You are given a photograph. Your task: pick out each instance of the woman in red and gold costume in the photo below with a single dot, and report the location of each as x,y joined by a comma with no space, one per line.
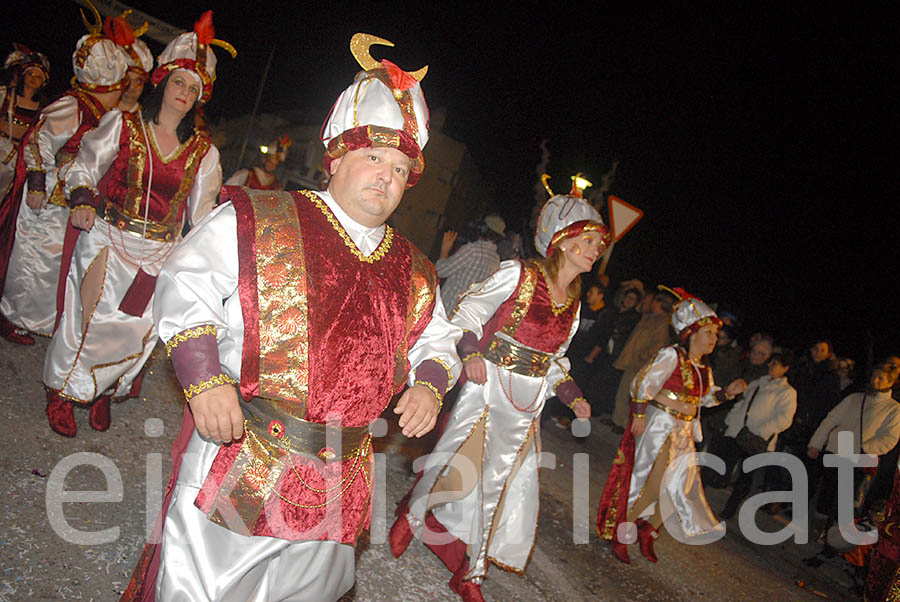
517,326
20,104
652,476
136,180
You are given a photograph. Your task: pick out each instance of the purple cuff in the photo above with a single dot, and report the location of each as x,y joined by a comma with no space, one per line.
638,408
84,196
37,181
435,374
196,360
568,391
468,344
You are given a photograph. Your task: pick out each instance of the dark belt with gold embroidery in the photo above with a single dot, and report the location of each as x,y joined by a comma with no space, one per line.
518,359
150,230
301,436
675,413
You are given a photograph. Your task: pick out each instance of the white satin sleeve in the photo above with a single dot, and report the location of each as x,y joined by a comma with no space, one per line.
207,184
559,368
238,178
709,400
97,152
437,342
58,122
198,283
650,380
481,300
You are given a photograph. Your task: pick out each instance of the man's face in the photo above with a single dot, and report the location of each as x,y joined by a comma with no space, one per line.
777,369
760,353
820,351
134,85
724,339
368,183
629,301
593,296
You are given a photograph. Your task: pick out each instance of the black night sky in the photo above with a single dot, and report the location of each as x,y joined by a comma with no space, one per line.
756,141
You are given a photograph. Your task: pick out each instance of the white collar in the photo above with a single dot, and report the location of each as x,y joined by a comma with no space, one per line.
366,239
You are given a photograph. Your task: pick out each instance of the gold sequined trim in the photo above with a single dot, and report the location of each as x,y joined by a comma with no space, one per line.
556,310
433,389
576,400
377,254
474,354
77,207
561,381
206,385
190,333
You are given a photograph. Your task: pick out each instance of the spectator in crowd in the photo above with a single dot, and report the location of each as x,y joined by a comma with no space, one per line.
756,362
766,408
472,263
845,370
608,337
873,417
649,336
726,357
818,391
511,246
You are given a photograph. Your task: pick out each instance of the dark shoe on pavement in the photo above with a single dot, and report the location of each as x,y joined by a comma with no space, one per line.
61,414
620,551
100,417
646,535
400,536
12,334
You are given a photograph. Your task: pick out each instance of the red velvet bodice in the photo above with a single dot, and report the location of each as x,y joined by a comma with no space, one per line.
684,378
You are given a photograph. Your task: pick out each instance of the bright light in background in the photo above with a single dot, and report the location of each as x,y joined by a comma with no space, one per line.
264,149
581,183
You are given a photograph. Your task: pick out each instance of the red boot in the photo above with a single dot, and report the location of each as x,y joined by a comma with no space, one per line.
400,536
99,417
9,332
469,591
620,551
646,535
61,414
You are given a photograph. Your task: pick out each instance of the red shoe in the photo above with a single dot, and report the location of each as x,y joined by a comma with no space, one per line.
646,535
467,590
400,536
61,414
9,332
100,417
620,551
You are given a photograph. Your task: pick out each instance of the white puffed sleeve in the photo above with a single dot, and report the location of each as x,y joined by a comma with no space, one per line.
437,342
559,368
650,380
57,123
197,285
238,178
709,400
207,185
98,150
483,299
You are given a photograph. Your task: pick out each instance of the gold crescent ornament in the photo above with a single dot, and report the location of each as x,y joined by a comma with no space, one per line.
359,48
223,44
94,28
140,30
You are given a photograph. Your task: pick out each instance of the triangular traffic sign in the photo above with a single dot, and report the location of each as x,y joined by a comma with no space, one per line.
622,216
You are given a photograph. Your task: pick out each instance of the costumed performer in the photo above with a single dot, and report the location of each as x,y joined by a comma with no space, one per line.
883,580
317,313
20,104
652,476
137,179
31,238
262,177
138,57
477,499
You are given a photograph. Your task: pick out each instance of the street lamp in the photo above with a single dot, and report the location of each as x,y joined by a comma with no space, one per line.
265,150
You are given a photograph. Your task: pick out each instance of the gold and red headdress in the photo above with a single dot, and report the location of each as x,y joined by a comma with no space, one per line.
99,63
564,216
192,51
384,106
691,313
137,54
22,58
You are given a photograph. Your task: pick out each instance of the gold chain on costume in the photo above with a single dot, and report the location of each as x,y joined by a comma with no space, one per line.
509,394
377,254
211,383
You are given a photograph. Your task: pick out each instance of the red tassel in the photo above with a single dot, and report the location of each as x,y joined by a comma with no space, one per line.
204,28
119,31
400,78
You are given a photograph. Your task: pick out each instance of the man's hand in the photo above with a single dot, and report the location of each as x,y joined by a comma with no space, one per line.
476,370
447,243
813,453
218,415
35,200
418,409
637,426
736,387
83,218
582,409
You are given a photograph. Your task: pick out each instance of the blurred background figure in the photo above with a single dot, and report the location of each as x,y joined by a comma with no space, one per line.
472,263
847,373
263,177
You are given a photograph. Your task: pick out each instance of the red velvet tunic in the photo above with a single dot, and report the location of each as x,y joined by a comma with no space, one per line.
683,379
125,182
357,314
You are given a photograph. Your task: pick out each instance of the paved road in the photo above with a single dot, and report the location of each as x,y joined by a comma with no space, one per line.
51,553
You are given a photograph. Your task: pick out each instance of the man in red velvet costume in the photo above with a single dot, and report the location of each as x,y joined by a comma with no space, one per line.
292,319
